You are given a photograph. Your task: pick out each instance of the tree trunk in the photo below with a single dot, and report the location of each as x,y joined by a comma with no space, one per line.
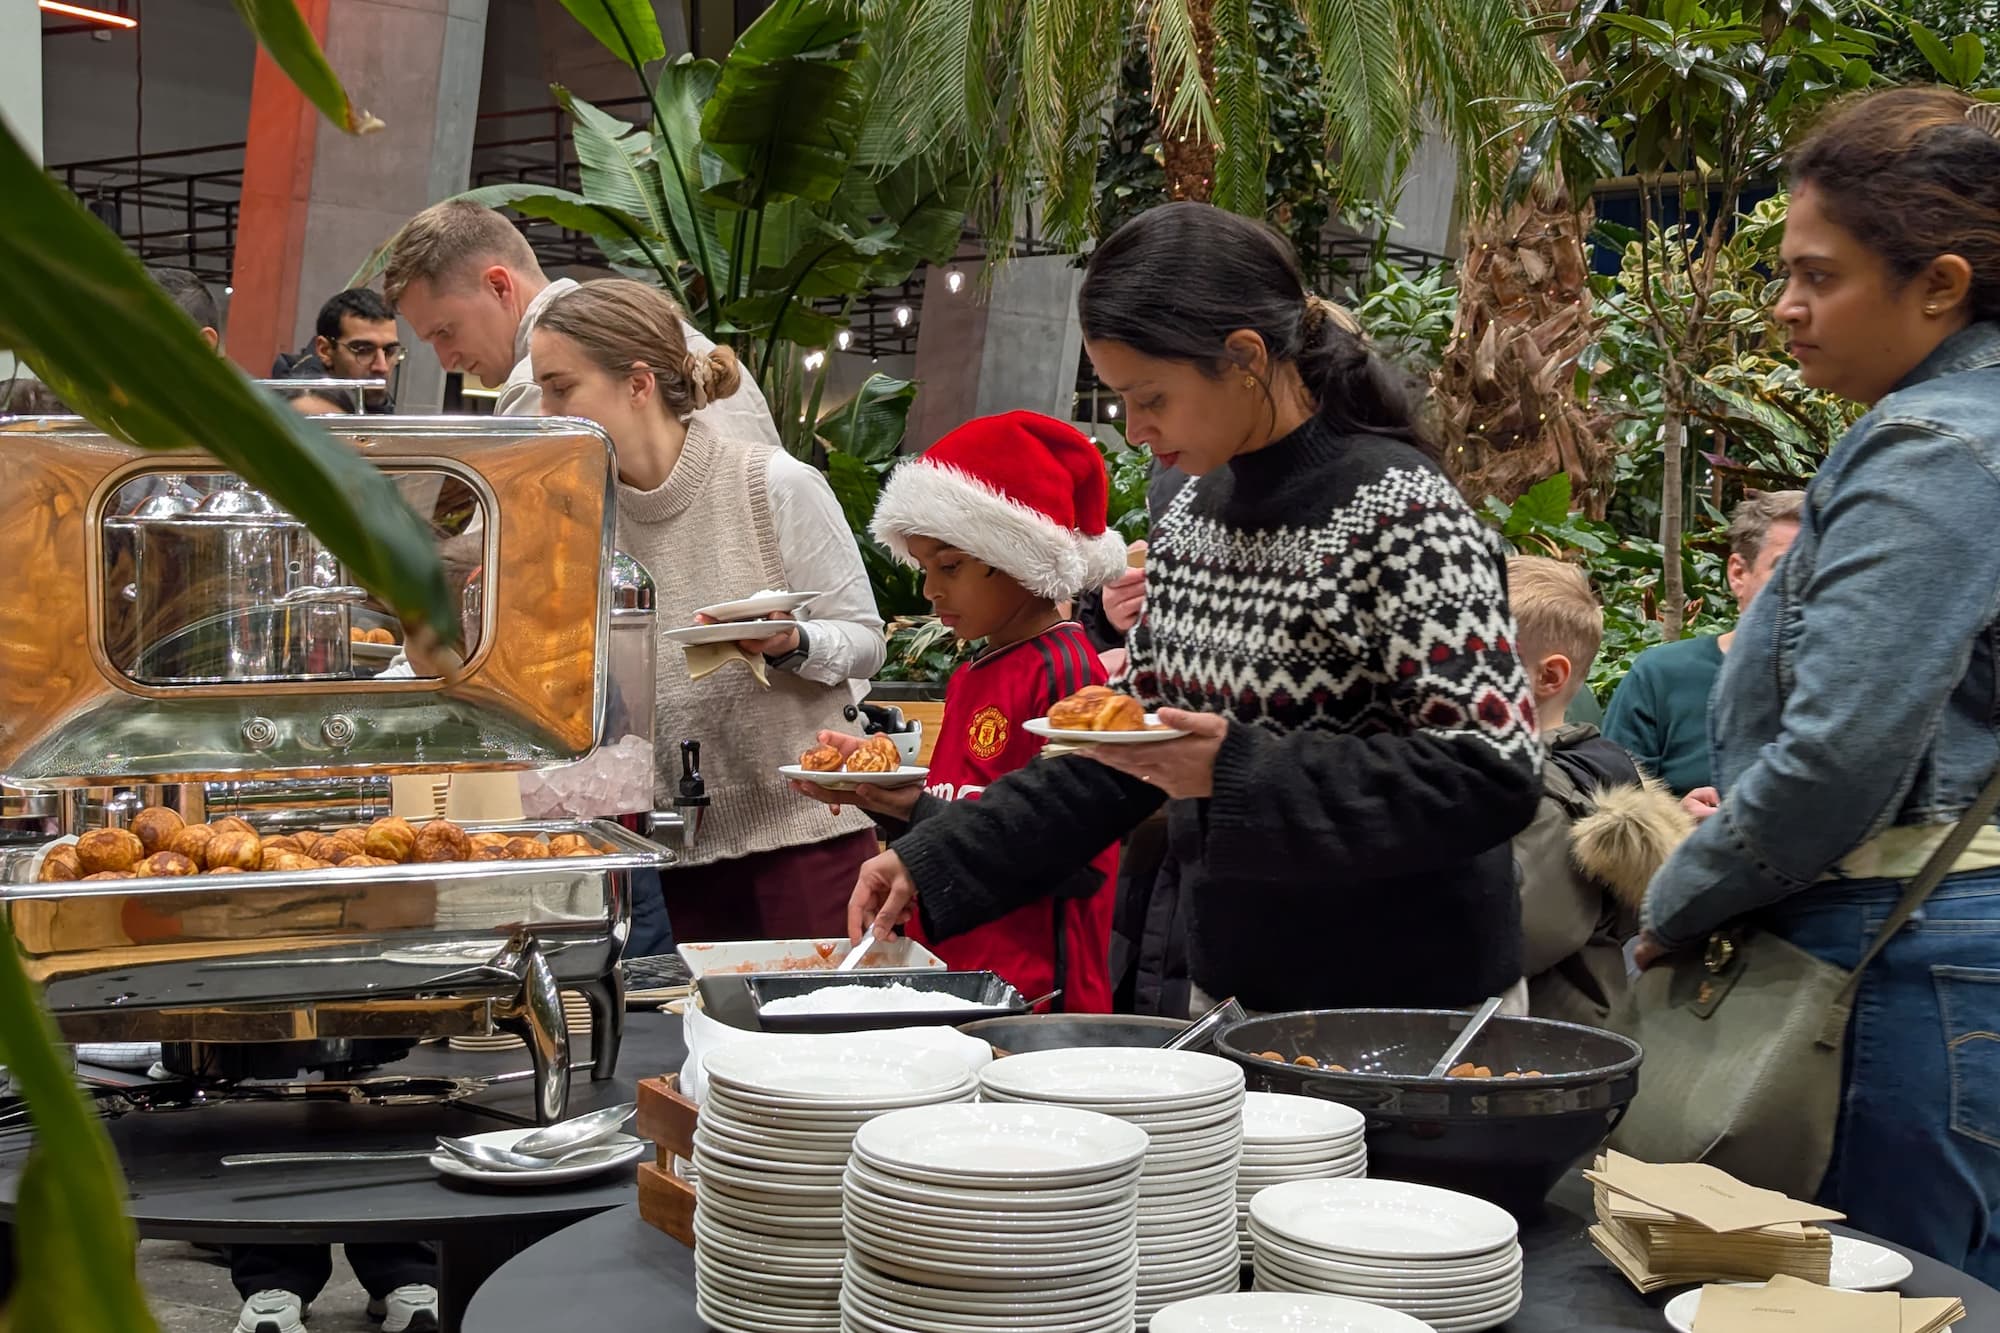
1187,155
1507,388
1673,593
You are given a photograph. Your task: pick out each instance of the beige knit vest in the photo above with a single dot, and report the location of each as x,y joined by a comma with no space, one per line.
706,536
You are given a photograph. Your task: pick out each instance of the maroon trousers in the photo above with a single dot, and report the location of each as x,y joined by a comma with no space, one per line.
792,893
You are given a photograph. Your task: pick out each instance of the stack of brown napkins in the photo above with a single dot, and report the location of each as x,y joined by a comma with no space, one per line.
1668,1225
1788,1305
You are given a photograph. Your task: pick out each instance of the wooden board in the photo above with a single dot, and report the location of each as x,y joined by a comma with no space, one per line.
667,1119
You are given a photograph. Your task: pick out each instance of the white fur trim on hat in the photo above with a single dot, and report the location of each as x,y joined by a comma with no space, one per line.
926,500
1103,558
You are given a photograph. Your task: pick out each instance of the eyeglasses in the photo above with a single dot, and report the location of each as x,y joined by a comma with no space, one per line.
365,351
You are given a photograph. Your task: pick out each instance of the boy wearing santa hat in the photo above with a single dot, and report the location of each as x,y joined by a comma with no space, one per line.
1006,518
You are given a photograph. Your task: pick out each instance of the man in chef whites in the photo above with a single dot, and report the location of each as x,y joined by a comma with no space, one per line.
468,283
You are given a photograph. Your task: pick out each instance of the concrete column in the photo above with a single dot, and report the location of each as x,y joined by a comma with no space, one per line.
1013,347
21,91
416,65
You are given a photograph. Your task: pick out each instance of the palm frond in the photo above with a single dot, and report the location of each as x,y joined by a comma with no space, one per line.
1239,95
934,57
1365,81
1179,88
1469,60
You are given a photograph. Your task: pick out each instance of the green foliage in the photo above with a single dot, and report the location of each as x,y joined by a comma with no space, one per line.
1027,88
1940,41
281,30
1409,316
863,440
922,649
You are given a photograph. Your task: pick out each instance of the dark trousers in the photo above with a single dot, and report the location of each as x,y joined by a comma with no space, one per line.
652,932
792,893
304,1270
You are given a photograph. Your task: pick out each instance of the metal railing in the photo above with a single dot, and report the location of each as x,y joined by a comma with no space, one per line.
178,206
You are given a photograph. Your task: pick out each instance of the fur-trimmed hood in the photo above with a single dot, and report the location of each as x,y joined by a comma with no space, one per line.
1629,836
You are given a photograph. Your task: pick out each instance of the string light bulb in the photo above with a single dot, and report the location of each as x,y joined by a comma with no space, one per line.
1112,411
843,339
902,317
814,360
954,280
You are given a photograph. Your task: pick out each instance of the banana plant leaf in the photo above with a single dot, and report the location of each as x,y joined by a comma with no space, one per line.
281,30
789,105
871,425
626,28
70,284
75,1249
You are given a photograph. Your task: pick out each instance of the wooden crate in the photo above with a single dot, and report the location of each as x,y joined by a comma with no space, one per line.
667,1118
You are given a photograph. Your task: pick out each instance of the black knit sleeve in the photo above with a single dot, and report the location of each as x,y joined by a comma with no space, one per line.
1450,767
1025,836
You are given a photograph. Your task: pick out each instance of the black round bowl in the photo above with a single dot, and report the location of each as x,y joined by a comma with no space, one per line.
1049,1032
1505,1139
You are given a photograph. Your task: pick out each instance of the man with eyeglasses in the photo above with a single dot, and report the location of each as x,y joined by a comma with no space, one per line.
356,340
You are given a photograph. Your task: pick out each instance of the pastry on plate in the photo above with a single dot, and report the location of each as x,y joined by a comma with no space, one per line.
1098,708
392,839
572,844
61,864
820,759
878,754
156,826
441,840
166,863
231,850
192,842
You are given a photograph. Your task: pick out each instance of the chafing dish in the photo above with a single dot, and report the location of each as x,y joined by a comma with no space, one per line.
147,660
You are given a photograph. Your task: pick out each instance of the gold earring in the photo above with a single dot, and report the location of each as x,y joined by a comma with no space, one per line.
1249,381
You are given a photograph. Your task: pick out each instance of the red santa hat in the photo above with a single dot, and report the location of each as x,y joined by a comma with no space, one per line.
1023,492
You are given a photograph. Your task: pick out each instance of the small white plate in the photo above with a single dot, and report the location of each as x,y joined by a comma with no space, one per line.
1860,1265
1382,1218
1275,1118
1095,1076
1258,1312
758,606
620,1151
905,776
1052,1143
1156,730
849,1073
748,631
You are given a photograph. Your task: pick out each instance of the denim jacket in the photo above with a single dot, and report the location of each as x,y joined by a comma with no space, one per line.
1860,691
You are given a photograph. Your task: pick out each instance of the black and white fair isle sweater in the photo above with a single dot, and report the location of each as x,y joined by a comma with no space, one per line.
1334,598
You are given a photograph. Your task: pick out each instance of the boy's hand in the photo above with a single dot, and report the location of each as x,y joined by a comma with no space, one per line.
892,802
776,646
1125,597
1701,803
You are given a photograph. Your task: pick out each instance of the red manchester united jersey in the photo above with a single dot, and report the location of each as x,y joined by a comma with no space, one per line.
1053,942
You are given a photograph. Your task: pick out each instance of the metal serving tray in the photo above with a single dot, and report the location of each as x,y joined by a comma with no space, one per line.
202,943
995,997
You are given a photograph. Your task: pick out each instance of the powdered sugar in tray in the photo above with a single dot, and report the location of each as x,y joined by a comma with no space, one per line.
893,998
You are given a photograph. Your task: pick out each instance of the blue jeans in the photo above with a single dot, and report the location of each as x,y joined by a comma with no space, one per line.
1916,1158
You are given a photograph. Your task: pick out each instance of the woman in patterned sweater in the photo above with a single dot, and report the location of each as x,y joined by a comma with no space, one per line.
1326,619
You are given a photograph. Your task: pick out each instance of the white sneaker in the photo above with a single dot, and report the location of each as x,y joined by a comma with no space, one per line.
411,1309
272,1312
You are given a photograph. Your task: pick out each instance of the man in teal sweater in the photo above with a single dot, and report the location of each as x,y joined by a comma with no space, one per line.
1659,712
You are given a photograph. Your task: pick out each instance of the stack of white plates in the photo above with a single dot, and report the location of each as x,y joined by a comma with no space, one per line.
992,1217
1281,1312
1294,1138
772,1143
1448,1259
1191,1107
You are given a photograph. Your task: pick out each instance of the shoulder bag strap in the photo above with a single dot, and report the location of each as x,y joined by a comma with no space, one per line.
1935,869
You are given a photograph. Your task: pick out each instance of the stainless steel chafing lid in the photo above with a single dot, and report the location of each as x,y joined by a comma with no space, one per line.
534,557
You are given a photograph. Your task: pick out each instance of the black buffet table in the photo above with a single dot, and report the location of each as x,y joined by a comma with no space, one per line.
181,1191
622,1276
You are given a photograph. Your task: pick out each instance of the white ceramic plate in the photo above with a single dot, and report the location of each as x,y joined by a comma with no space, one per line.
1093,1075
743,631
1382,1218
1860,1265
997,1199
1015,1141
1263,1312
1276,1117
852,1073
759,605
955,1307
906,776
1155,731
1413,1272
620,1151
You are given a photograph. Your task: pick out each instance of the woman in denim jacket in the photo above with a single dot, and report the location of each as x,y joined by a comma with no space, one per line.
1857,716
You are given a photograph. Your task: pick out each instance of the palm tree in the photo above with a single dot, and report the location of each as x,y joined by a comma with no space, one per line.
1023,87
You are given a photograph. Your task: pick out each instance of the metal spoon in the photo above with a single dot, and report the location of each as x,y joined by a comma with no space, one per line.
576,1132
496,1159
857,953
491,1158
1465,1038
